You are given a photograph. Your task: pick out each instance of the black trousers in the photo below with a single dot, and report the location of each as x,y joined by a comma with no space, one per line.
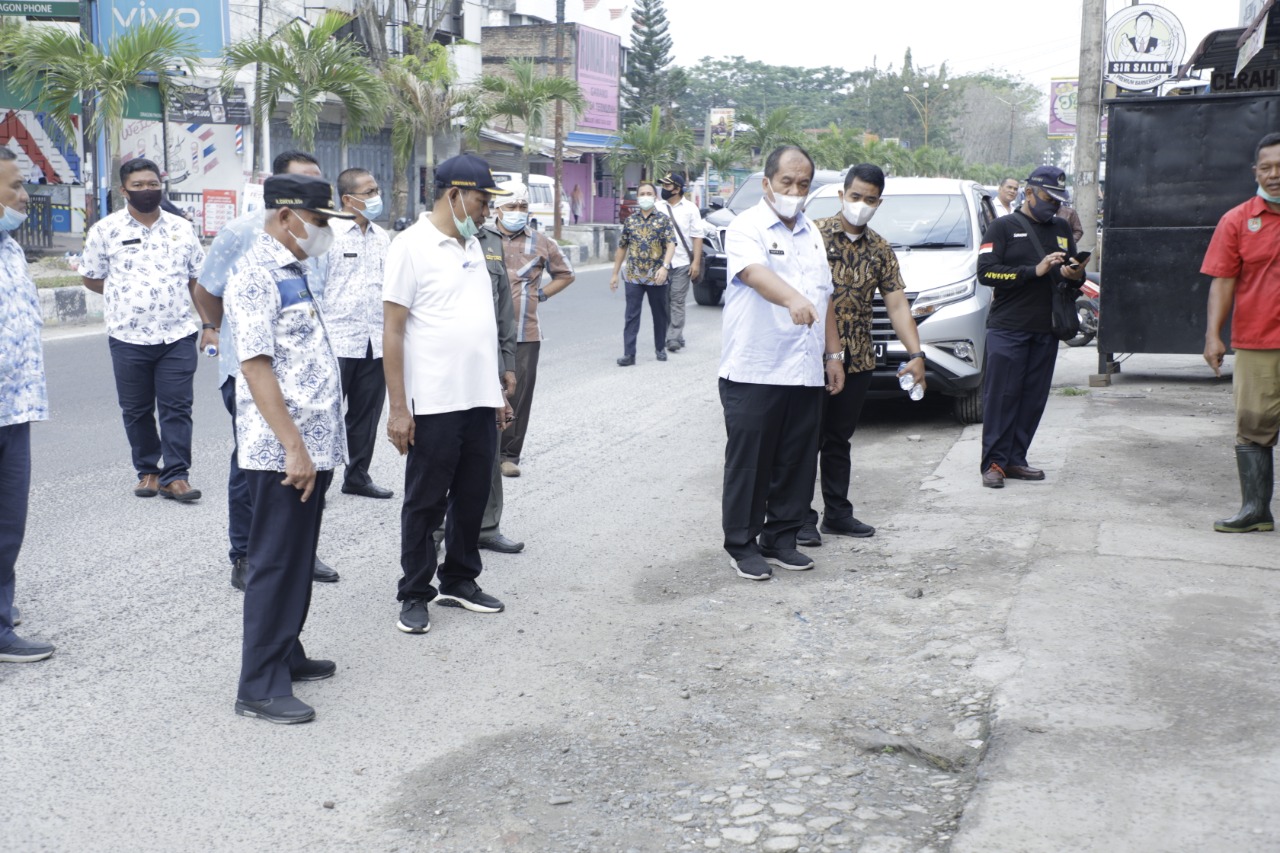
153,378
15,488
277,595
839,419
770,460
447,471
365,388
1019,374
512,438
658,307
239,512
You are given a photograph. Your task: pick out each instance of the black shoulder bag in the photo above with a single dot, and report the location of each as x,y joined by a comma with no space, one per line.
702,271
1066,319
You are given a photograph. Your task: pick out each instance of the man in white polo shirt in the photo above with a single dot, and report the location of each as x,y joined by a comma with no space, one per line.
440,356
780,347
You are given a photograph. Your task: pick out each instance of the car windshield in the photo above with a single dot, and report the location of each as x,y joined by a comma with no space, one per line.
747,195
915,221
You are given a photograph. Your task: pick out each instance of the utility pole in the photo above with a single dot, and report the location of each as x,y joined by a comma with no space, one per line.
1088,118
559,170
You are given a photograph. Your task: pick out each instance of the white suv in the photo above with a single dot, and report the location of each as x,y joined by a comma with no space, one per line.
935,226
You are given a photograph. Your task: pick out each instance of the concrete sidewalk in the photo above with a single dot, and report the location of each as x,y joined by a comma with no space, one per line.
1134,701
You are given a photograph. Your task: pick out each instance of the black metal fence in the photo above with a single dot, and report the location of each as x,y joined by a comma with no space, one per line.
37,231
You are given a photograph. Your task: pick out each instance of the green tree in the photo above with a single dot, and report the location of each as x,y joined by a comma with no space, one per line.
766,132
651,80
68,71
837,147
420,101
306,64
526,96
652,144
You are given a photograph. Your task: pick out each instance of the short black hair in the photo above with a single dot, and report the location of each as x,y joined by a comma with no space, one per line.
868,173
1266,142
774,161
7,154
280,165
138,164
1007,178
347,180
650,184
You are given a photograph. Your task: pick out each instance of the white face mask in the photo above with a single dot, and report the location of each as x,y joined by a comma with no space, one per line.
317,240
786,206
858,213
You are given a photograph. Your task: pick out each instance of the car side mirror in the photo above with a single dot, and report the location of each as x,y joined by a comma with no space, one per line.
715,204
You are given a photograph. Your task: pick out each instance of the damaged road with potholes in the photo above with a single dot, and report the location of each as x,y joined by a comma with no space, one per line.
637,695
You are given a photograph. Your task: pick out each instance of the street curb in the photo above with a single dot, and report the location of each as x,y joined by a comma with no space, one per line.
69,306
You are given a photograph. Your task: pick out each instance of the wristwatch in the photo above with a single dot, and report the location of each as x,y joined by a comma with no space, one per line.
208,326
542,297
834,356
914,355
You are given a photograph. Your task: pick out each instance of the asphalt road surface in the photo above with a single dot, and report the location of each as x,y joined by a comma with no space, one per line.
621,606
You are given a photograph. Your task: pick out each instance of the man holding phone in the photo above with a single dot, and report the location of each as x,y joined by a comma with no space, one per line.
1022,258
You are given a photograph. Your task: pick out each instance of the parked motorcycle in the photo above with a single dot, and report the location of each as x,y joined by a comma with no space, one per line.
1087,308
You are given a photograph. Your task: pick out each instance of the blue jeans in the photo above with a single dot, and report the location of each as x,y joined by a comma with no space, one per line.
154,378
239,506
15,485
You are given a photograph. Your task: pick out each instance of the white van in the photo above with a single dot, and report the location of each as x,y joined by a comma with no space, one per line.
541,199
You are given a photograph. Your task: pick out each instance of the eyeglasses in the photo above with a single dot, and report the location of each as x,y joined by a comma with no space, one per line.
366,193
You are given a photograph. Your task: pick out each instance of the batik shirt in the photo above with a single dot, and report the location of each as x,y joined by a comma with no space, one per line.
646,239
858,268
274,314
23,397
352,298
147,273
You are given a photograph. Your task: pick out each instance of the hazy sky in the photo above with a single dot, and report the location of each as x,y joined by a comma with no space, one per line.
1034,39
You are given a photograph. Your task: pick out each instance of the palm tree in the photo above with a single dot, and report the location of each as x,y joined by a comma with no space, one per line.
838,147
524,96
654,146
67,71
306,65
890,156
765,133
420,103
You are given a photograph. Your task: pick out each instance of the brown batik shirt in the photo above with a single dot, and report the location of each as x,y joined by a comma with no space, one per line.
858,269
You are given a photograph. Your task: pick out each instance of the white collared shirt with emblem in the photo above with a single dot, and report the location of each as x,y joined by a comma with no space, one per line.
685,214
147,273
274,314
353,288
451,334
760,343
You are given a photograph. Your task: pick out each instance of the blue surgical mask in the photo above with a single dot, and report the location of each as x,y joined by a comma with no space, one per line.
372,207
467,228
1262,194
11,220
646,202
515,221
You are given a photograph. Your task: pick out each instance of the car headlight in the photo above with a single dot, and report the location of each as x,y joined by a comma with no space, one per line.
711,238
963,350
934,298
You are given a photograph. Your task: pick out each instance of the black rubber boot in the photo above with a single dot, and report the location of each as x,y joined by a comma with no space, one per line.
1257,479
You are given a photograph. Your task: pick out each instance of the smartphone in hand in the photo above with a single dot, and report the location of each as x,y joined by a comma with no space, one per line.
1080,259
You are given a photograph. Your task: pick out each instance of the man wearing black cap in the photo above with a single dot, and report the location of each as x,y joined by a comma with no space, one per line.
1023,257
288,421
440,355
686,263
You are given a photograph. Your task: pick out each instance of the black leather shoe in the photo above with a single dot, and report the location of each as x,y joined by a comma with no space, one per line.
662,355
322,573
239,572
282,709
626,361
847,527
368,490
501,544
1023,472
314,670
993,477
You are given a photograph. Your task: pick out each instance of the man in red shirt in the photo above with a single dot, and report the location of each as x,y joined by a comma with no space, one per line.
1244,260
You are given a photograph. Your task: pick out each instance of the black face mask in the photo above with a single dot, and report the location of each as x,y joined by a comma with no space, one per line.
144,201
667,194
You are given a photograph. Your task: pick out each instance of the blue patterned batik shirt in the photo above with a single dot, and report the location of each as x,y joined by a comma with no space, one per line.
22,391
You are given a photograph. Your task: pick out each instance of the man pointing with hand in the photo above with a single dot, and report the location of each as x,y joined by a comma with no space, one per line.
780,348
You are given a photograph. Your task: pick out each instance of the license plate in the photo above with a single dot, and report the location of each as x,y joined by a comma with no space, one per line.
879,350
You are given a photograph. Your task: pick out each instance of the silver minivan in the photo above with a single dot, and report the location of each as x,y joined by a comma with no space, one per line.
935,226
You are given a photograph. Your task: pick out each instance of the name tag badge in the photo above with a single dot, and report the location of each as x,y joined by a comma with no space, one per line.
776,252
350,254
134,242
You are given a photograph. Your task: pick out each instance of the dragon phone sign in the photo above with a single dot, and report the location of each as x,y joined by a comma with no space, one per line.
1144,45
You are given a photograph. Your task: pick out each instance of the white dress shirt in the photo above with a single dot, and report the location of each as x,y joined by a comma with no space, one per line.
353,288
761,345
684,214
147,273
1001,210
451,335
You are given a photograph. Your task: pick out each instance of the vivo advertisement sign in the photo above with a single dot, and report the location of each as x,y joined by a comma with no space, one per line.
206,22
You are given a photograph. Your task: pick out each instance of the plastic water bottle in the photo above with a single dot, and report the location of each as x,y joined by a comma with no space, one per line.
211,350
908,383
